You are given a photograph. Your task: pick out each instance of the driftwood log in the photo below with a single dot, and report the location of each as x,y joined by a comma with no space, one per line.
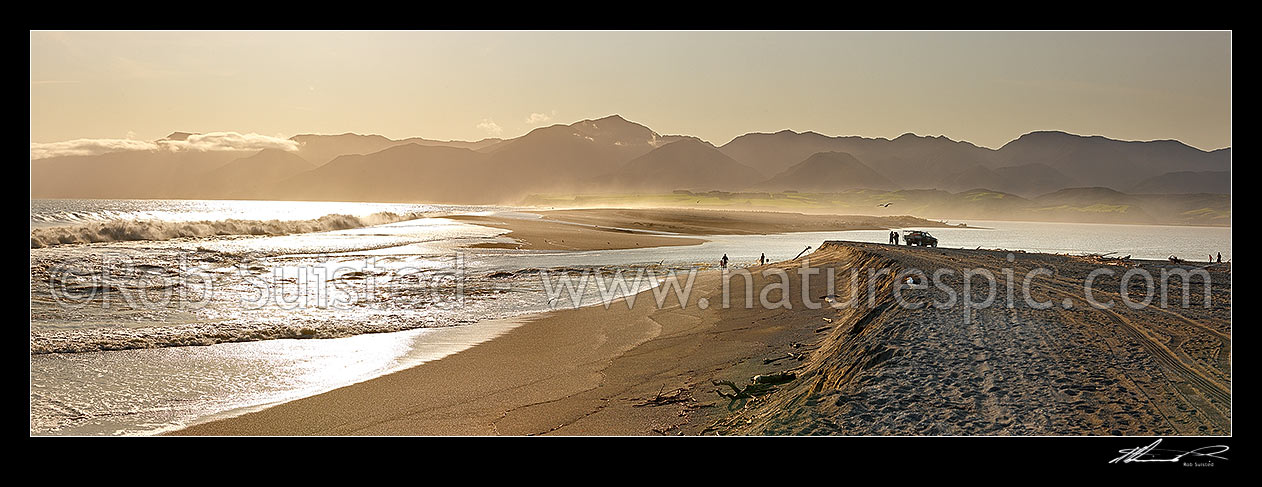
672,397
762,384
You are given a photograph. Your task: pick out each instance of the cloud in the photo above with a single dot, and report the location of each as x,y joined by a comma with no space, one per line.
214,141
490,127
538,118
88,147
225,141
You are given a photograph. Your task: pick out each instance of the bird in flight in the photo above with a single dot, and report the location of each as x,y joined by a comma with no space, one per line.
885,205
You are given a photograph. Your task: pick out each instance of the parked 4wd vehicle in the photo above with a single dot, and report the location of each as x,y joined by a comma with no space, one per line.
917,237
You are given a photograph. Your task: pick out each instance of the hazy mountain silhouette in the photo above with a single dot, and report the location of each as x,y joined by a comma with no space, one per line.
1111,163
915,161
909,160
563,157
251,176
1089,196
128,174
827,172
320,149
1183,182
597,154
479,145
410,172
686,164
1026,180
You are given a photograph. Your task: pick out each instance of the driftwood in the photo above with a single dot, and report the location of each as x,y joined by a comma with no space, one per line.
795,356
1104,259
776,378
762,384
672,397
777,359
739,393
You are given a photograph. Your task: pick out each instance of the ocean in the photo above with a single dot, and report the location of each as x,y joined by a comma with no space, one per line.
156,314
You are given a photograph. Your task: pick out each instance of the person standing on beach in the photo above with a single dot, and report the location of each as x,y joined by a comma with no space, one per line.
1220,257
891,236
895,237
723,261
762,259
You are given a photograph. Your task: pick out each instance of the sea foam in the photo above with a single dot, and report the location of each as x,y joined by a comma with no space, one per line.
133,230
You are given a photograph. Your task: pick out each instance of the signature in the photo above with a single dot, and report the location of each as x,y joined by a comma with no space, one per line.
1151,453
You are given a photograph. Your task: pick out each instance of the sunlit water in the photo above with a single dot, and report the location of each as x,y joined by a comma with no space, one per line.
55,212
1137,241
209,291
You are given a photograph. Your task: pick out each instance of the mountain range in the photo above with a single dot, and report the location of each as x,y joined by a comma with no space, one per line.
612,154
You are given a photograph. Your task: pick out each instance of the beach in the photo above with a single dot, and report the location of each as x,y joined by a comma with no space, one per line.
630,232
872,368
621,228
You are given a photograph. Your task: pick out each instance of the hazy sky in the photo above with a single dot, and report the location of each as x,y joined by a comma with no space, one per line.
984,87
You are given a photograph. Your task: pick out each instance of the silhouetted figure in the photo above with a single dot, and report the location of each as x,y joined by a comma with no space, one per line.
723,261
762,259
1220,257
895,238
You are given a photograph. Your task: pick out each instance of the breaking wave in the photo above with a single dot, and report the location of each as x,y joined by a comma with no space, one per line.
201,334
133,230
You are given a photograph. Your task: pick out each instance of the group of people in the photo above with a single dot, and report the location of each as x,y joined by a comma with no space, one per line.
894,237
762,259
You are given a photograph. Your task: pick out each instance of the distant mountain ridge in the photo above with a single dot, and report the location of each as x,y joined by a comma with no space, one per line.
827,172
613,154
253,174
683,164
926,162
320,149
1108,162
1028,179
397,173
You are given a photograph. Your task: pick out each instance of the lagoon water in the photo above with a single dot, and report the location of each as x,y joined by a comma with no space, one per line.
104,363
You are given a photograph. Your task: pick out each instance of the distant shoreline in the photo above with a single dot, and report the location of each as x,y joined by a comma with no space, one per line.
628,228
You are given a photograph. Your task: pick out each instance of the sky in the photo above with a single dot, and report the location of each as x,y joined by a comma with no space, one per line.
984,87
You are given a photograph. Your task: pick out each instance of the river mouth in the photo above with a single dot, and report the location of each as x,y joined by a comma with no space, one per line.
144,370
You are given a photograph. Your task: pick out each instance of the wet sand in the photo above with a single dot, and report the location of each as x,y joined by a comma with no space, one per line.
875,368
608,229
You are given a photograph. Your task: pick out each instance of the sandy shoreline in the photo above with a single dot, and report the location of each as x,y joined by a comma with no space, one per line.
874,368
609,229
